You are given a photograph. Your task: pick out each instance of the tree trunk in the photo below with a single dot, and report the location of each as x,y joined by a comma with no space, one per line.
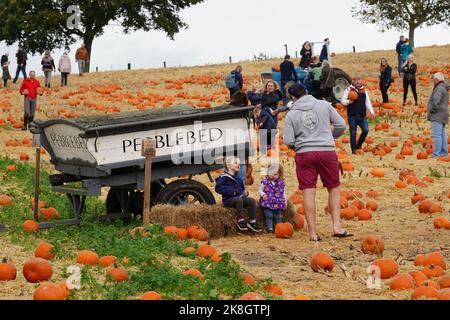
412,29
88,39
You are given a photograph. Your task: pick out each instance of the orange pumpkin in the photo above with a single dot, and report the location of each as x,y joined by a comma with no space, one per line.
37,269
364,215
151,295
189,250
442,223
387,267
435,258
284,230
372,206
418,277
195,273
299,221
7,270
118,274
322,261
201,234
377,172
191,231
419,260
87,257
5,200
171,230
425,292
402,281
444,295
107,261
30,226
44,250
274,289
48,292
433,271
206,250
373,244
444,282
248,279
353,95
252,296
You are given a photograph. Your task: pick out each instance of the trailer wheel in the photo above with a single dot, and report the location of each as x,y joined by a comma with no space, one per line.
181,192
338,89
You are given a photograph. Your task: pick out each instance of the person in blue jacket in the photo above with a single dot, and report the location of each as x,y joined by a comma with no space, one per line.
385,79
398,48
234,195
325,53
288,73
406,51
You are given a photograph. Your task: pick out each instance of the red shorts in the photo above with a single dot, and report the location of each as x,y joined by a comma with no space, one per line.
311,164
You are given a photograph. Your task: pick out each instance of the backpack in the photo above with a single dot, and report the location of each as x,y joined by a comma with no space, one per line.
231,82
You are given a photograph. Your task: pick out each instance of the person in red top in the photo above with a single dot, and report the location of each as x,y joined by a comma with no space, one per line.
30,88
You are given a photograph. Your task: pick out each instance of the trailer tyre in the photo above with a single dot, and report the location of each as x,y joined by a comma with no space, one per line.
181,192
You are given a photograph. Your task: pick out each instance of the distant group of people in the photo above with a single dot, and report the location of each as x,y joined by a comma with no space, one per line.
307,132
47,63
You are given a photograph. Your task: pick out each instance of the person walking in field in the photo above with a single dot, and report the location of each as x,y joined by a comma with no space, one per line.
5,69
398,48
438,115
273,200
81,57
234,195
30,89
357,100
22,58
325,53
409,79
235,81
307,131
385,79
306,54
48,66
288,73
65,67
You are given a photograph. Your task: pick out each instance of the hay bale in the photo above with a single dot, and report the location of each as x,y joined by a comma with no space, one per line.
216,219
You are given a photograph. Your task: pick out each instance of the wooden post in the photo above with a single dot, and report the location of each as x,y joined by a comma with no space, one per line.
354,49
37,173
165,65
149,152
129,66
231,60
296,54
286,49
96,69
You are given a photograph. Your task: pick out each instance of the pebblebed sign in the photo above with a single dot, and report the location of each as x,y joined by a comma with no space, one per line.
176,143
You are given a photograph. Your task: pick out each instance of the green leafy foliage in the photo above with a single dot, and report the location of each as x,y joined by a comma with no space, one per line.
156,262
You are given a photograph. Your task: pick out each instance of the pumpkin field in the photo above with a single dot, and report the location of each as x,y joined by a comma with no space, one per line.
395,200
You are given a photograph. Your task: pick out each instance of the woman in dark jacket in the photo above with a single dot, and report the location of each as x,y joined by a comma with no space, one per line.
5,69
409,79
385,79
306,54
268,120
271,98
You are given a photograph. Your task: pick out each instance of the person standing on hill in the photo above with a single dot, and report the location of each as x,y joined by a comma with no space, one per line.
409,79
288,73
30,89
307,131
5,69
357,100
306,54
315,74
398,48
22,58
48,66
385,79
65,67
81,56
437,114
406,51
235,81
325,53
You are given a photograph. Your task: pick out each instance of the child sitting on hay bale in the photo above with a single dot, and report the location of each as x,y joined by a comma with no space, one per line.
234,195
272,199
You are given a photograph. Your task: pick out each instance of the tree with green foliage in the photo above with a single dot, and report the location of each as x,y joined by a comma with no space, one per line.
403,14
42,24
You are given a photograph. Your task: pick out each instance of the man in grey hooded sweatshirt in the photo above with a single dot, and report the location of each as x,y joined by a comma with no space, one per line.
438,115
307,131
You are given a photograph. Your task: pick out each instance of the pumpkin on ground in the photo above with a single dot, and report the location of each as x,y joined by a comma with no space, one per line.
373,244
387,268
205,250
30,226
284,230
151,295
87,257
37,269
8,271
118,274
48,291
252,296
402,281
322,261
44,250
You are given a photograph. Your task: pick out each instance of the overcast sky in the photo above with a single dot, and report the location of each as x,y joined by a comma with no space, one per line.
241,28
